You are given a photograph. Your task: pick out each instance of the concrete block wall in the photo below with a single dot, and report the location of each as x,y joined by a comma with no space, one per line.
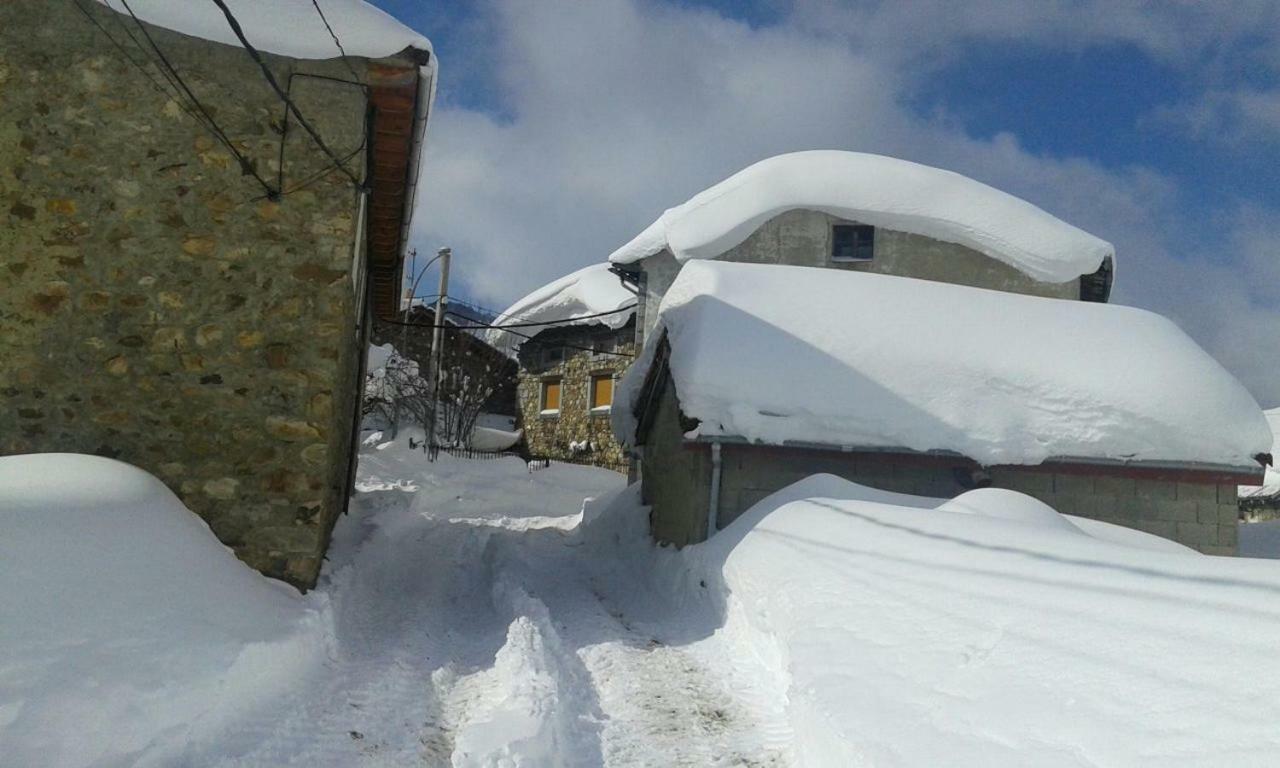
803,238
1202,516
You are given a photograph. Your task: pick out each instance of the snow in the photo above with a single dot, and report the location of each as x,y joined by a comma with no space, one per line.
1271,482
881,191
131,635
490,439
903,633
284,27
478,613
926,366
589,291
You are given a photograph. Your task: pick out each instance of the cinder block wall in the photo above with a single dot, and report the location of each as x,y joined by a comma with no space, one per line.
1201,516
803,238
153,307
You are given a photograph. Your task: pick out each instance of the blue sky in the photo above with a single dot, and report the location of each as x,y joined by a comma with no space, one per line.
563,128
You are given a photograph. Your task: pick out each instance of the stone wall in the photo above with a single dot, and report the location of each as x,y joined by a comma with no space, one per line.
153,307
803,238
550,435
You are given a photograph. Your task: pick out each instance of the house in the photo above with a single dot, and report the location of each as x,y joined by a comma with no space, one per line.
573,339
479,378
1262,502
188,270
760,375
869,213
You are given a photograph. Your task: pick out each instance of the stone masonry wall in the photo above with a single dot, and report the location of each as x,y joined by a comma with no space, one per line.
153,307
1202,516
549,436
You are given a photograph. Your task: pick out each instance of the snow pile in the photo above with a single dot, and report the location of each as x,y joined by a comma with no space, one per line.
881,191
905,631
130,633
1271,482
591,290
284,27
490,439
926,366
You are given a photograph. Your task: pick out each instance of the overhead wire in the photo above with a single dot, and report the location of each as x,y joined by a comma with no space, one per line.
507,326
275,85
336,41
246,167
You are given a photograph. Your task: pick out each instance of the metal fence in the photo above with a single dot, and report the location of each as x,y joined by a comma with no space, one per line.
533,462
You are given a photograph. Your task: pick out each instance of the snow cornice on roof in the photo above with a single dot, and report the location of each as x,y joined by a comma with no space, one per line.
578,298
786,356
884,192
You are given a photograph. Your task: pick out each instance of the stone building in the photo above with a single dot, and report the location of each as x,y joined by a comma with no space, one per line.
565,392
867,213
464,349
573,338
186,274
931,389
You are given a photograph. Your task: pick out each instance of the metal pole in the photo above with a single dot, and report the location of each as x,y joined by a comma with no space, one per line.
434,374
404,339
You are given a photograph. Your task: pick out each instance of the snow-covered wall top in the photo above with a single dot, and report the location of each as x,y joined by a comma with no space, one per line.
881,191
284,27
777,353
589,291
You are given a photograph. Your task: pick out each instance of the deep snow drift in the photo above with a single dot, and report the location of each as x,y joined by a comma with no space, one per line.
477,613
986,630
900,363
589,291
877,190
128,634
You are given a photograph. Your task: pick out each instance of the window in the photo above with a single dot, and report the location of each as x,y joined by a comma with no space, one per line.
601,391
551,396
552,355
852,242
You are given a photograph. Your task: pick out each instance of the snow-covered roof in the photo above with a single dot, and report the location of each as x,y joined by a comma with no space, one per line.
584,294
780,354
290,28
877,190
1271,482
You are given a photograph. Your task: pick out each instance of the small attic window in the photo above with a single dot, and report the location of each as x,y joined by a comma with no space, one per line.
852,242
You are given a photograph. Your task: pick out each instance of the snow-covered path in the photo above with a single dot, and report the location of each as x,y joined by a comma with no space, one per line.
470,626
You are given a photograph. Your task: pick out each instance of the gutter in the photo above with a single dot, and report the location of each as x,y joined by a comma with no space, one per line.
1072,464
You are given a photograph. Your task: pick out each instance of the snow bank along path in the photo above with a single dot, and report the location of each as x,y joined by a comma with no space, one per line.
998,377
589,291
476,626
128,634
877,190
986,630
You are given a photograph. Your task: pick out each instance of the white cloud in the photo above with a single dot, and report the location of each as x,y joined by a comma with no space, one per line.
614,110
1232,117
